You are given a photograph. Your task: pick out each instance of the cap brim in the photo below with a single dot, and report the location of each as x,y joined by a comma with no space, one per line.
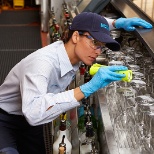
110,42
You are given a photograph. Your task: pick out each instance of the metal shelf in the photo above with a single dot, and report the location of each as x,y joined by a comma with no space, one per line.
127,9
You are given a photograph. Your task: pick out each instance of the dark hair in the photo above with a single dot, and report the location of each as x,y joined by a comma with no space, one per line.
69,34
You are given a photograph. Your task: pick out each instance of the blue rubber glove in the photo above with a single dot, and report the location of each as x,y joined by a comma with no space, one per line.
129,23
103,77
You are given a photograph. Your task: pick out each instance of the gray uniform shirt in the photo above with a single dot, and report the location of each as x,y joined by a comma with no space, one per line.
38,82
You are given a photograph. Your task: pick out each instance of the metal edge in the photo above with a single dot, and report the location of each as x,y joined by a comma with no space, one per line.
108,129
128,10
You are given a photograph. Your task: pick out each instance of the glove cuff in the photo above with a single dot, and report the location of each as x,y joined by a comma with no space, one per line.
84,90
119,23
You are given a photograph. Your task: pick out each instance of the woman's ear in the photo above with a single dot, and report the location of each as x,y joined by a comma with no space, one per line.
75,37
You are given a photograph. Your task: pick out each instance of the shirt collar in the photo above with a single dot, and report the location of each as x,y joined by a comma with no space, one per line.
64,61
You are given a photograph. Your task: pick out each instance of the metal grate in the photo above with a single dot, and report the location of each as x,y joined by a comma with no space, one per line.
48,137
17,39
21,17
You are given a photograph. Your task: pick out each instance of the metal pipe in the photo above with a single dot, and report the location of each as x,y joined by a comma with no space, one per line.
153,10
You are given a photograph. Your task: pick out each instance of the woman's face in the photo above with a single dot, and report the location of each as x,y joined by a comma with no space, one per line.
86,49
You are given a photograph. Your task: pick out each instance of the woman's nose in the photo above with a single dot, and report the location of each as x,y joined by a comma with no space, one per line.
98,51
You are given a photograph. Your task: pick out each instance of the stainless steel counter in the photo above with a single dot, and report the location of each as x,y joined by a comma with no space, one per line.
108,133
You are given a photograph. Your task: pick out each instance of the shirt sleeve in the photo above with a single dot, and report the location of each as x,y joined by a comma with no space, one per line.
110,21
35,98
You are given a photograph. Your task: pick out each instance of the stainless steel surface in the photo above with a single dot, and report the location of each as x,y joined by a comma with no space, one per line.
82,5
108,129
44,15
128,10
101,59
146,5
74,133
108,144
74,121
37,2
107,136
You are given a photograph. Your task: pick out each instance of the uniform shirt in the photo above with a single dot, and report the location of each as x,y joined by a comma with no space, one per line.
38,82
110,21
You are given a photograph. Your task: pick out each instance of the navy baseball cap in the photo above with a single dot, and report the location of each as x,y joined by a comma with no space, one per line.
97,26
